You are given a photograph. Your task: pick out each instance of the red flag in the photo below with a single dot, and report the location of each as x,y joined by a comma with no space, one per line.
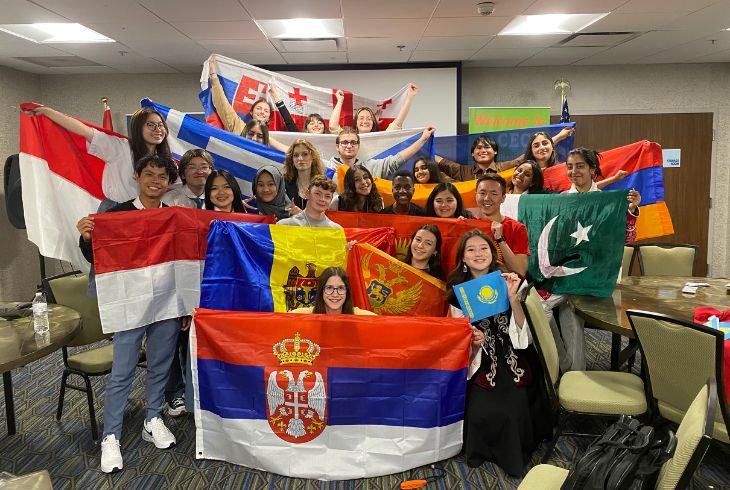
107,122
387,286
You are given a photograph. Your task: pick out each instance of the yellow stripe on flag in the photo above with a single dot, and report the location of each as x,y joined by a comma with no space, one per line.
654,221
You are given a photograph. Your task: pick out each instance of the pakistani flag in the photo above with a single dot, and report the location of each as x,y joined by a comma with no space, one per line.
576,240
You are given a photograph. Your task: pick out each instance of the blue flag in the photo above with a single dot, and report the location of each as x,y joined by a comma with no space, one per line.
565,114
482,297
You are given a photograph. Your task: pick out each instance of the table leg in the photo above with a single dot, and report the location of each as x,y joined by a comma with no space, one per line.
615,351
9,404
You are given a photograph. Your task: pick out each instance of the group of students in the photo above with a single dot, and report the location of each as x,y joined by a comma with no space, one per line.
506,414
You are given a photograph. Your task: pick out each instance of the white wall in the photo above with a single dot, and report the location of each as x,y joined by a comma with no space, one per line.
627,89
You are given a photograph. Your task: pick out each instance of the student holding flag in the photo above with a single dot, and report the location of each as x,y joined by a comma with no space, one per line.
194,168
506,413
424,252
270,192
445,202
301,164
366,119
360,194
222,193
334,295
426,171
319,197
403,194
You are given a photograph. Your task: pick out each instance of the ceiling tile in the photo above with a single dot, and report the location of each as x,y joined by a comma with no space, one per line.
238,45
468,8
378,56
616,22
22,12
540,7
272,58
384,9
384,27
293,9
97,11
242,29
324,58
196,10
152,39
714,17
85,70
689,52
560,56
443,55
665,6
515,42
23,65
719,57
455,42
383,44
107,54
466,26
14,46
514,54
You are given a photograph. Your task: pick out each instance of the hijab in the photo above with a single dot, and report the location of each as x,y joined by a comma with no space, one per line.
278,207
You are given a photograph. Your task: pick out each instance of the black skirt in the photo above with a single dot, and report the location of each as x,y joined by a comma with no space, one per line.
504,425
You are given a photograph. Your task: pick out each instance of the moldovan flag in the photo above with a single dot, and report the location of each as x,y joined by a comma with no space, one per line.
577,240
252,267
149,263
386,286
331,397
244,84
61,184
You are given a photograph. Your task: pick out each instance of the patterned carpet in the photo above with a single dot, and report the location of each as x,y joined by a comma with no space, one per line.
67,451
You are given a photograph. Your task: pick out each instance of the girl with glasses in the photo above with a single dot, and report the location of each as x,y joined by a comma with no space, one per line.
147,136
333,295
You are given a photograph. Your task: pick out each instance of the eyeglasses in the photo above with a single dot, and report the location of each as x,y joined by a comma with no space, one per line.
254,134
329,290
152,126
349,143
196,168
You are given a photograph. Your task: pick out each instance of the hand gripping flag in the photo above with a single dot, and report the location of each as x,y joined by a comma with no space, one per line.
331,397
243,84
576,240
386,286
149,263
253,267
482,297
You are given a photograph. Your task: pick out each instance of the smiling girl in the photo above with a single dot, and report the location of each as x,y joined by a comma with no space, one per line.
424,253
222,192
360,194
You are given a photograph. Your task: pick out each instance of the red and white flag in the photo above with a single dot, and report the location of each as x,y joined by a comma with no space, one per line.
244,84
149,263
61,184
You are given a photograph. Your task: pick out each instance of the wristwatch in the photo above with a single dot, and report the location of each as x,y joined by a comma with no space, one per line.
500,239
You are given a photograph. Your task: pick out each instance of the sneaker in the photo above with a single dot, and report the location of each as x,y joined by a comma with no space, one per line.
176,408
155,431
111,456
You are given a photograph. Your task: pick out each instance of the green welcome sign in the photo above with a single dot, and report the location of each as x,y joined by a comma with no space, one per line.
487,119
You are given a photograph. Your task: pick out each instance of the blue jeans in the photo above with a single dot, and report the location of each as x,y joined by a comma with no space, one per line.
161,345
176,382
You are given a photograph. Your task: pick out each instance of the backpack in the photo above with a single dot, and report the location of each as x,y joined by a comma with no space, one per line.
628,456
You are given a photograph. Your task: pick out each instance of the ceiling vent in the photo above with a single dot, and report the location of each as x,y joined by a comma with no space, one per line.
58,61
598,39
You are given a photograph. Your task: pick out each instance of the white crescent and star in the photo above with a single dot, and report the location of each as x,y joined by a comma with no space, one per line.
546,268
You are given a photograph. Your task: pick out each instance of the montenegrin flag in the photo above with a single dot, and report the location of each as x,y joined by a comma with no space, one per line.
331,397
149,263
405,226
244,84
576,240
386,286
251,267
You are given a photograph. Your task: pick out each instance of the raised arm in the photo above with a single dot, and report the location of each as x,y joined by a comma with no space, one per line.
336,111
291,126
620,175
66,122
401,117
232,122
407,153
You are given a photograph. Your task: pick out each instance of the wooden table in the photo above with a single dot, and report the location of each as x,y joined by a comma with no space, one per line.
20,345
662,294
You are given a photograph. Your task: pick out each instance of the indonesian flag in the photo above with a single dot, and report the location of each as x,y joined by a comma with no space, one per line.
149,263
244,84
61,184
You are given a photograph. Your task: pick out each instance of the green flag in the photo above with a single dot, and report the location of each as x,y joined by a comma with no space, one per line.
576,240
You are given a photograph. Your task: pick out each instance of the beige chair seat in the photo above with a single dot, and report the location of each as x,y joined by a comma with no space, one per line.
93,361
672,413
603,392
544,477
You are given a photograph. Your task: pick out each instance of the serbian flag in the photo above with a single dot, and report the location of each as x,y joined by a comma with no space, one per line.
331,397
61,184
386,286
149,263
252,267
405,226
244,84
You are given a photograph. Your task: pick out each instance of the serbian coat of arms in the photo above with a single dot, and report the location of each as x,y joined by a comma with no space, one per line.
296,398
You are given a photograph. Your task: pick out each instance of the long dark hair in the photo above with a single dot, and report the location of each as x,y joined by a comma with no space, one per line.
458,275
319,306
446,186
434,262
259,125
530,156
136,140
434,177
592,158
237,198
262,100
537,186
349,198
312,117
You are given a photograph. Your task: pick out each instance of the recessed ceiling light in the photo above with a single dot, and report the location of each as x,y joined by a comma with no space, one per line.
301,28
53,33
535,25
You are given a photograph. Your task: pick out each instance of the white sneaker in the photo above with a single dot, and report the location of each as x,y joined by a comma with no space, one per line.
155,431
111,456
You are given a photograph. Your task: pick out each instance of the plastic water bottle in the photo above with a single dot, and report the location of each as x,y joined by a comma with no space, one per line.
40,313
